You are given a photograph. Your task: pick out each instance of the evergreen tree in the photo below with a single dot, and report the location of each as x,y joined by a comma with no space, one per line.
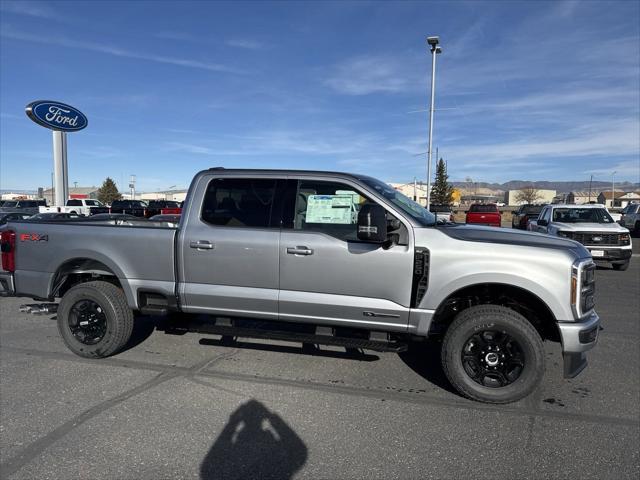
108,192
442,191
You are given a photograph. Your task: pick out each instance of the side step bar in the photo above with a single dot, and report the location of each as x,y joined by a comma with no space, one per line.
321,337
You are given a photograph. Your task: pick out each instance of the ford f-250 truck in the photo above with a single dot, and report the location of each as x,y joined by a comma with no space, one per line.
592,226
345,258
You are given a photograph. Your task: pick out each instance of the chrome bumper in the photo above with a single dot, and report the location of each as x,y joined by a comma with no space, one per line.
577,338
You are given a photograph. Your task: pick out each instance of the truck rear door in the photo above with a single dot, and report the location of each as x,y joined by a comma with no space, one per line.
228,248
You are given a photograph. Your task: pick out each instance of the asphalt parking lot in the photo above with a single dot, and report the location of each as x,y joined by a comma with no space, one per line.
189,407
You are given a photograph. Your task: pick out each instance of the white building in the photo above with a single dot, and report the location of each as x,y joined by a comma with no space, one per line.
544,196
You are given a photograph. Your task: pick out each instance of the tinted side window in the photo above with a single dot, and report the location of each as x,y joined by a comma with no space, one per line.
74,203
328,207
239,202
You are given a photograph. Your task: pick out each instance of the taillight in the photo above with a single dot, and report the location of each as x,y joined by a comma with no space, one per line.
8,248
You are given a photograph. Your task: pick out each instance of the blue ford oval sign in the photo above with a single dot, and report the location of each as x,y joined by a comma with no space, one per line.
56,116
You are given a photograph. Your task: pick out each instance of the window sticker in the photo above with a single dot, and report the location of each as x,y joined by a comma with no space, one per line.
337,209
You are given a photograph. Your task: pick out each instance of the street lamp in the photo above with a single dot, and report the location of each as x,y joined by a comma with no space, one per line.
435,49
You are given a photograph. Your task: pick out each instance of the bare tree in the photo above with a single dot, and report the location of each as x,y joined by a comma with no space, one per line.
528,195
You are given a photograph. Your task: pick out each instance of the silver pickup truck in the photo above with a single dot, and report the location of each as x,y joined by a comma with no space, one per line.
346,259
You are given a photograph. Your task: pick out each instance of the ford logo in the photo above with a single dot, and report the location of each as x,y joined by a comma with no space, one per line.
596,239
56,116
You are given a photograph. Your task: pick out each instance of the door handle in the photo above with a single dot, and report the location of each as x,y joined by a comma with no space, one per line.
299,250
202,245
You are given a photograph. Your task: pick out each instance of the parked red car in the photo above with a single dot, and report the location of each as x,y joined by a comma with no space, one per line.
484,214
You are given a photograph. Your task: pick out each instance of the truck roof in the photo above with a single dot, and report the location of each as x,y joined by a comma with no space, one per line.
275,171
573,205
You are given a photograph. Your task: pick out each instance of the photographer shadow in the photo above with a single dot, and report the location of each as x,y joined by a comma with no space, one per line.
255,443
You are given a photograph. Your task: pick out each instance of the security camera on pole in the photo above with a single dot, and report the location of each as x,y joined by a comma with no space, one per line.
435,49
61,118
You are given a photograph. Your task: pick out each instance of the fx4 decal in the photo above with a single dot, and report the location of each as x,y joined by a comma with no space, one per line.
33,237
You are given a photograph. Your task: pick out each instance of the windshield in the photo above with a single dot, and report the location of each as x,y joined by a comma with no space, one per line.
10,204
416,211
581,215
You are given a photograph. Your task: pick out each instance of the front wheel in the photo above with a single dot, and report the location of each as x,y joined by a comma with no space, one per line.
94,319
493,354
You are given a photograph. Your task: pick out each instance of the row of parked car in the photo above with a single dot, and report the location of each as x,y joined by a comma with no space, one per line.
89,207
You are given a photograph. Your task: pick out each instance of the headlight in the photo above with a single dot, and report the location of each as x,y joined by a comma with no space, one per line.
624,239
583,287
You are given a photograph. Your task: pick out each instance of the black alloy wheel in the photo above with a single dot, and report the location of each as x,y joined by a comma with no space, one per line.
87,322
493,358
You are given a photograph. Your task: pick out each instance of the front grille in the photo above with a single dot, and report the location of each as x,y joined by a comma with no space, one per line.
604,239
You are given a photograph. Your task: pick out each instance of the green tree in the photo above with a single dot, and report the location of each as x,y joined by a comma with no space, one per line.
442,191
108,192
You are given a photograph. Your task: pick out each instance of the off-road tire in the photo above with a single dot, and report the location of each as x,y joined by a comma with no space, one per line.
119,318
481,318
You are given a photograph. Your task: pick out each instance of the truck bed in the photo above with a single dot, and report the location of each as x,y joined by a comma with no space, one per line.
138,253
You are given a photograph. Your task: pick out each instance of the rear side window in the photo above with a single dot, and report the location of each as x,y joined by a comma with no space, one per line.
239,202
74,203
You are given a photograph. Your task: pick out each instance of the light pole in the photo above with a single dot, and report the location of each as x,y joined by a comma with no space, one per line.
613,189
435,49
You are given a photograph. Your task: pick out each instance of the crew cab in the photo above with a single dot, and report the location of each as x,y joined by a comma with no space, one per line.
592,226
78,206
484,214
284,248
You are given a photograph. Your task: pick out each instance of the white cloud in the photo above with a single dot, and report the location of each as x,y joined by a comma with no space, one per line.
31,9
244,43
116,51
369,74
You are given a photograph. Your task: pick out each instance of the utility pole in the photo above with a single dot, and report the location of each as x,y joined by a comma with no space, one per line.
415,189
613,189
435,50
590,182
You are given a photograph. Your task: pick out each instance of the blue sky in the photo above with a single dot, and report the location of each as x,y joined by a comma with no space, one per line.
525,90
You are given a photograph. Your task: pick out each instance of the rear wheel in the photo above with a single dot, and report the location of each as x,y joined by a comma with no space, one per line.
94,319
493,354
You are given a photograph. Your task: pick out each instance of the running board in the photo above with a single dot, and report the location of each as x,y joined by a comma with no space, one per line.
39,308
180,328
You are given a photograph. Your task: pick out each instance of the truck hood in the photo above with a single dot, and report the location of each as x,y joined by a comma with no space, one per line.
473,233
590,227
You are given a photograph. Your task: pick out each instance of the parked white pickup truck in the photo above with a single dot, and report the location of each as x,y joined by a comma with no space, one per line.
592,226
80,206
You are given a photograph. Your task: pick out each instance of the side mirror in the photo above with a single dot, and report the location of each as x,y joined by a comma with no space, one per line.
372,223
543,223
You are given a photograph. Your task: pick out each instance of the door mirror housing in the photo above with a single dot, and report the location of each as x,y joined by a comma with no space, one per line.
372,223
542,223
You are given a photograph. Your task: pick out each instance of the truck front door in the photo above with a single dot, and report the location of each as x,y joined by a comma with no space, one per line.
327,275
228,249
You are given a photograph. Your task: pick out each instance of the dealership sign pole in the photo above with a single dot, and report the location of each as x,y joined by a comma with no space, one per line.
60,118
